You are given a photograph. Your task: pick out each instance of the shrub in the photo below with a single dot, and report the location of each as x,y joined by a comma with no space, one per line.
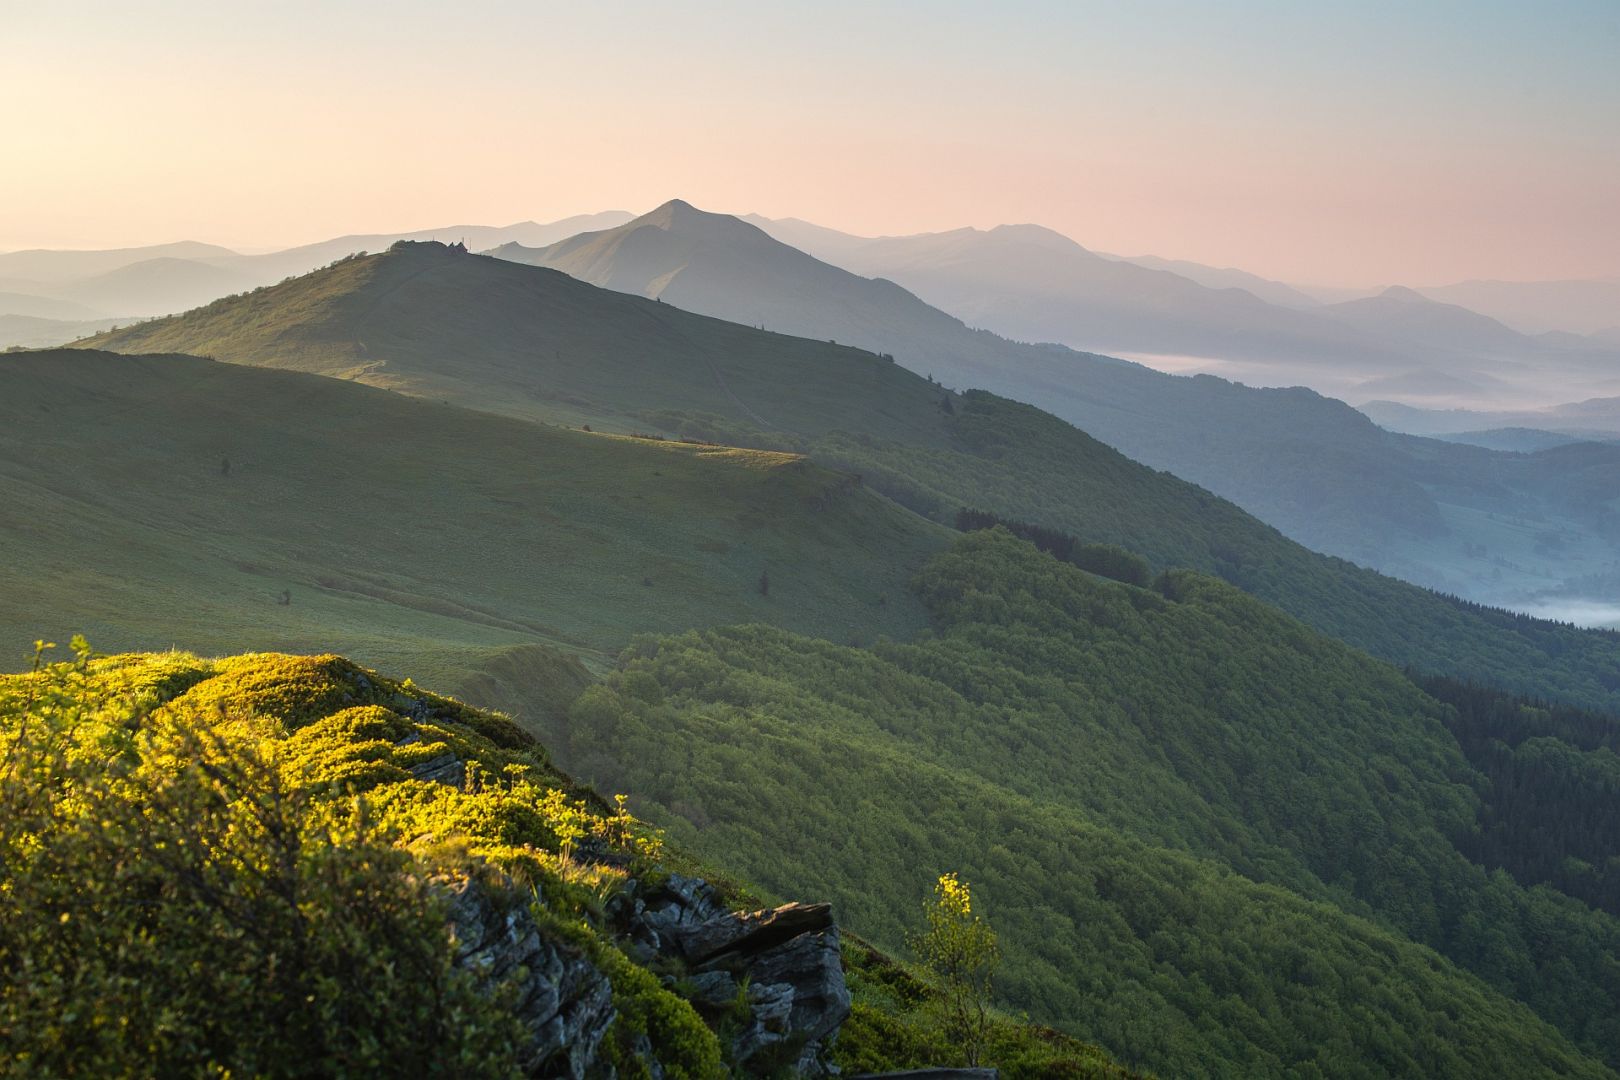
173,902
959,950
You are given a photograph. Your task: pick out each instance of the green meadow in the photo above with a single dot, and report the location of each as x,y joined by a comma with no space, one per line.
161,501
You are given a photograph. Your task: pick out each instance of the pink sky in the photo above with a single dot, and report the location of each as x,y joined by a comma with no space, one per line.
1360,151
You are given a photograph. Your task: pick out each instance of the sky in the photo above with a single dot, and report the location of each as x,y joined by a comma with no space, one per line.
1358,143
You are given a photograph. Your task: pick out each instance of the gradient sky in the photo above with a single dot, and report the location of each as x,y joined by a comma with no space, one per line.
1333,143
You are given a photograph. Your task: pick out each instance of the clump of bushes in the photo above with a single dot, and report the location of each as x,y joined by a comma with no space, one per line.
1105,560
173,899
229,866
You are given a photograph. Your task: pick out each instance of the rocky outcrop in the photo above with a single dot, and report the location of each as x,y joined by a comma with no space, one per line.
564,1002
445,768
788,959
778,974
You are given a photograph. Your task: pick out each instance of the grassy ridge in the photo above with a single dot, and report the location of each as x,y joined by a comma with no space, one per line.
535,343
406,531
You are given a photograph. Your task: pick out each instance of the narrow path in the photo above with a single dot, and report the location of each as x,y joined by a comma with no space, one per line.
721,379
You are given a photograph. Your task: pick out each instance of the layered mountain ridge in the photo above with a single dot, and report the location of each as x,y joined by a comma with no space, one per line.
535,343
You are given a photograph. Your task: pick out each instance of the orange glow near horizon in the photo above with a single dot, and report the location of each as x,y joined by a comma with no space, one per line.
1349,160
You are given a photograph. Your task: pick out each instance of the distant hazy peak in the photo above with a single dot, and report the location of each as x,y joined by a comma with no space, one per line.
1405,295
678,215
761,220
1037,234
180,249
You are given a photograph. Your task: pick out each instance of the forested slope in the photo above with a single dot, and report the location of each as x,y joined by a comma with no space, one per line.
1216,841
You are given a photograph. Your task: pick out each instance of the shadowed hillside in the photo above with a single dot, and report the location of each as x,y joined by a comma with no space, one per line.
531,342
1305,463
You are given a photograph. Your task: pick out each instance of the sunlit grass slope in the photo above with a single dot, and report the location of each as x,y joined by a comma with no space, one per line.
161,501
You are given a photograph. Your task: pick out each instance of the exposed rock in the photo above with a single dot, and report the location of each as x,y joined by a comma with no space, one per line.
789,957
715,989
747,934
444,769
811,968
563,1000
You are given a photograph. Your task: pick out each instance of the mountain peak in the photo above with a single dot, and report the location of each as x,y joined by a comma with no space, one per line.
1405,295
1036,234
673,210
681,217
678,212
425,248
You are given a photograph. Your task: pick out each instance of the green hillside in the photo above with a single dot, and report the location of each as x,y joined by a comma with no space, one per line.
1216,842
534,343
276,847
160,501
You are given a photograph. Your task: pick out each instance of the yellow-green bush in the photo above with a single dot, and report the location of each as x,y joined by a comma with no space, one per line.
205,864
174,901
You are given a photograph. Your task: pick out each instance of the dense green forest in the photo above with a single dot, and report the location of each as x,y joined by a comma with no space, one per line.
1551,810
1215,840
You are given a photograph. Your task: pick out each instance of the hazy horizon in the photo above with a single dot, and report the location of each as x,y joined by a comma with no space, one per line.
1332,148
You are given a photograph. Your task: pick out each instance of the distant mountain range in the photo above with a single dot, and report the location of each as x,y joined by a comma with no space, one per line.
1023,282
1594,418
1225,277
718,265
272,267
48,267
119,285
1032,284
32,332
1307,464
1536,307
